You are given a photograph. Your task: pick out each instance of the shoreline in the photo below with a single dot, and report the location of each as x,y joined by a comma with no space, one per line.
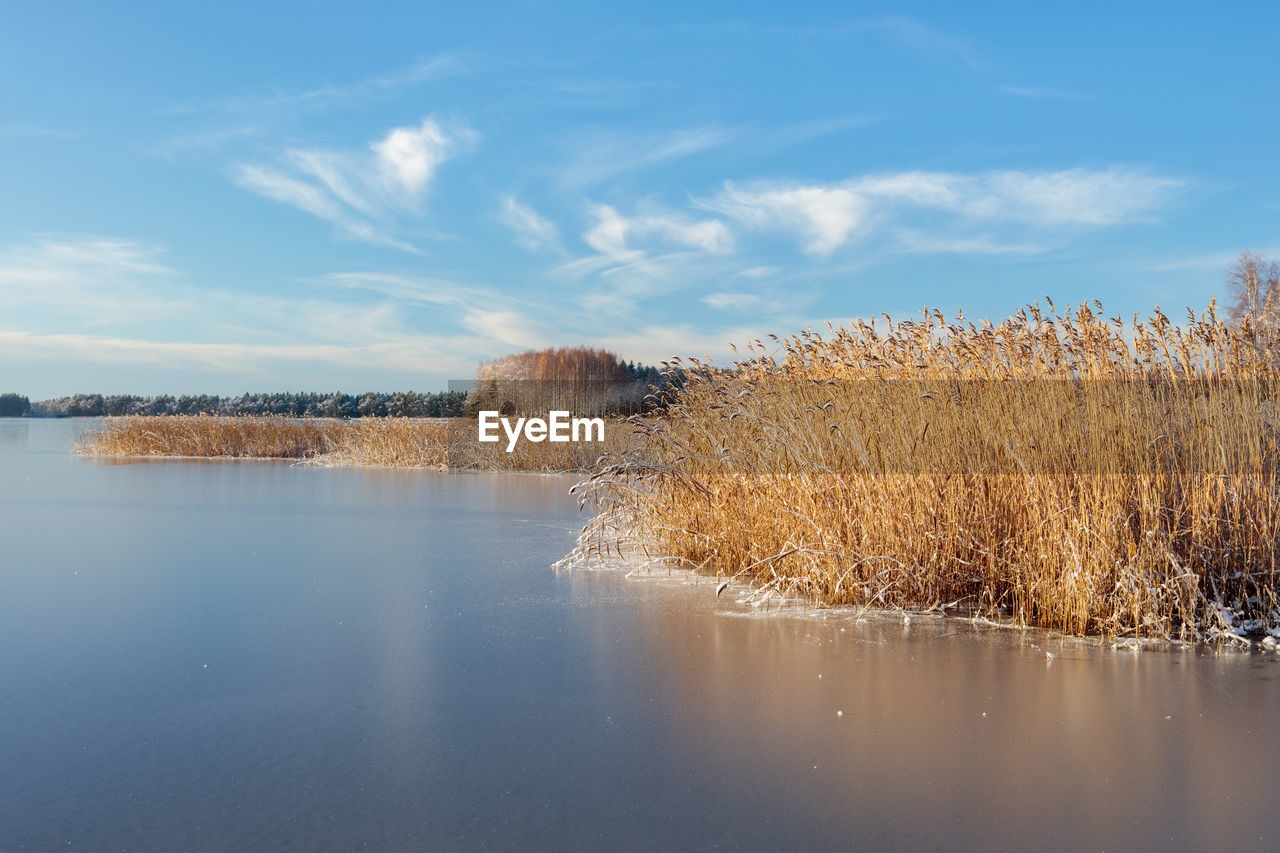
749,603
315,463
390,443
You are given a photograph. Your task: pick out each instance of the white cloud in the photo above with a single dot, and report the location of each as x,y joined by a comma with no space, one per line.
645,255
531,230
363,195
609,236
407,158
634,256
302,195
735,301
511,328
828,216
709,235
613,233
824,216
1072,197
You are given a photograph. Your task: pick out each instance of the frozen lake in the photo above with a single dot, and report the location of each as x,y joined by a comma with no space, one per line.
251,655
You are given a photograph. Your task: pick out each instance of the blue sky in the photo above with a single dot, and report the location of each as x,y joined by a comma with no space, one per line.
228,198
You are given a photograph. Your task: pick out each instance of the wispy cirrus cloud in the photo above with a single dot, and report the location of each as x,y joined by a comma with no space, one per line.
209,140
902,31
1042,93
85,306
422,290
33,131
603,156
646,253
797,133
1070,197
653,250
407,354
482,310
269,103
531,230
353,330
512,328
915,241
86,280
52,259
105,285
826,217
920,37
606,155
364,194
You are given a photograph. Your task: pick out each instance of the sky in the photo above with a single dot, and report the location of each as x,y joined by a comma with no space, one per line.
227,198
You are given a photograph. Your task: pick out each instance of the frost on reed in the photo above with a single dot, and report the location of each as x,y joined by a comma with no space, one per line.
1062,470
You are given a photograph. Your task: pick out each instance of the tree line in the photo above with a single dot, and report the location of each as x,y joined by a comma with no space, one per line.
372,404
562,367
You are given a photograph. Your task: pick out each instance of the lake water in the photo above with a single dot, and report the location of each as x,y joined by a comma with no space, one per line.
256,656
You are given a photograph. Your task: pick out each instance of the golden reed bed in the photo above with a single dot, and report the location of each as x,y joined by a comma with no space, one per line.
1067,471
368,442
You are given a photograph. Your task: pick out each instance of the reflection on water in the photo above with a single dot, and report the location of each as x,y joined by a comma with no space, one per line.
909,735
256,655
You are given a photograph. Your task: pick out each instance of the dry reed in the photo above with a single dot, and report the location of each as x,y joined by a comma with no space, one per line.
213,437
1067,471
368,442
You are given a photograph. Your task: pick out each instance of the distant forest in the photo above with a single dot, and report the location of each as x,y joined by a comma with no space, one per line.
407,404
403,404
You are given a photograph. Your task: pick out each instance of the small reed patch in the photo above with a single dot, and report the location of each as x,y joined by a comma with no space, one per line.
206,436
368,442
